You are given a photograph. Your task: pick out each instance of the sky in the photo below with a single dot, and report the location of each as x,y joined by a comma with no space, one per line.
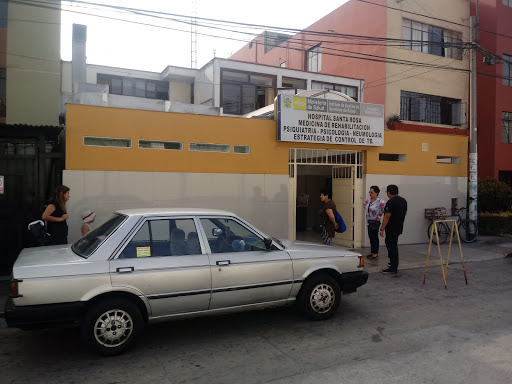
123,44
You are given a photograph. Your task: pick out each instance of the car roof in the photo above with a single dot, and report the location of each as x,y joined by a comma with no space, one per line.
173,211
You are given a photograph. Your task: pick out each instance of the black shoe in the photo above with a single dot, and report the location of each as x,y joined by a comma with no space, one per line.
389,270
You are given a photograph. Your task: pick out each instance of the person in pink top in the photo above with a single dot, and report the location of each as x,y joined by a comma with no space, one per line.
374,208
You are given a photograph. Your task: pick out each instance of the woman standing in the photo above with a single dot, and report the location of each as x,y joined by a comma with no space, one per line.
55,215
374,207
327,214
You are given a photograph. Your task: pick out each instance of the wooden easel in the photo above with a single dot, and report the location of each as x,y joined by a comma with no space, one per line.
444,268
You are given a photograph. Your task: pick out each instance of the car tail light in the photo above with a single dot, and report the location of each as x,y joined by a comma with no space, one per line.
13,288
361,262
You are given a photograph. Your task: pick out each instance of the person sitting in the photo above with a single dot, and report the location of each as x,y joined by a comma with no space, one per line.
178,246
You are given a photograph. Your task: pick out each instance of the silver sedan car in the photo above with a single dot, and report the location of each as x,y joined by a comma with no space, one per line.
149,264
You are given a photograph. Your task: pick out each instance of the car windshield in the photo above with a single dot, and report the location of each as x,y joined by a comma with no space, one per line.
91,241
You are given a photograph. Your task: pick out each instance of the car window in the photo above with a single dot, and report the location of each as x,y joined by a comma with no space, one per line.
228,235
92,240
158,238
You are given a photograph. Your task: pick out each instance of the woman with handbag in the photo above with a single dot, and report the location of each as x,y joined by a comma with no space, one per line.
374,208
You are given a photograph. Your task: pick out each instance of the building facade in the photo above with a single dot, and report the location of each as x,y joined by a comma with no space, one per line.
494,97
31,148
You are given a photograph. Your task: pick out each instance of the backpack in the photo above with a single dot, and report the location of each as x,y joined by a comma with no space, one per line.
341,224
38,230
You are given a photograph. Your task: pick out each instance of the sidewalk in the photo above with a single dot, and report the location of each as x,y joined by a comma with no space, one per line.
415,255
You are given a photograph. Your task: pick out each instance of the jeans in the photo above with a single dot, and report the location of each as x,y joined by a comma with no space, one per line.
373,234
392,246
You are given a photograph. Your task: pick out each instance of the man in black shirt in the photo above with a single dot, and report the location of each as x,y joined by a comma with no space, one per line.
393,224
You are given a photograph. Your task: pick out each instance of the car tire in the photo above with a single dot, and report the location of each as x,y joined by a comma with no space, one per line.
111,326
319,297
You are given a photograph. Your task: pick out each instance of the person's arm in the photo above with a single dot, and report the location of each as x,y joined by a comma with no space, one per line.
330,213
84,229
47,214
387,215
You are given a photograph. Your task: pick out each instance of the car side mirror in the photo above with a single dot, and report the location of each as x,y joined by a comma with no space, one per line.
268,243
216,232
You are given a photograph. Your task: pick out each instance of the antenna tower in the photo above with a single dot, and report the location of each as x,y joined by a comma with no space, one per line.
193,36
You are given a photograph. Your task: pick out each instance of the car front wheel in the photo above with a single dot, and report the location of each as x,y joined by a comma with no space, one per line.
111,326
320,297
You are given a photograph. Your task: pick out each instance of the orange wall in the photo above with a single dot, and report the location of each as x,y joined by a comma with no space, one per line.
267,155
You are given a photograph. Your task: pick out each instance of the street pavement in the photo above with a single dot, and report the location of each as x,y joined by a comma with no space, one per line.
394,329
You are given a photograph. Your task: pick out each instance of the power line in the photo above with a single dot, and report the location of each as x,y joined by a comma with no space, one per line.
370,57
413,13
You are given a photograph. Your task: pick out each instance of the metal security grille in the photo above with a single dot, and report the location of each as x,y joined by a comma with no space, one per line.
32,167
326,157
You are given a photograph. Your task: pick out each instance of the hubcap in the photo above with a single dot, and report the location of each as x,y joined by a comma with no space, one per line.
113,328
322,298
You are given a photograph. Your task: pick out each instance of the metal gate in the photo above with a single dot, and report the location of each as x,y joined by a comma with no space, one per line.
31,161
347,173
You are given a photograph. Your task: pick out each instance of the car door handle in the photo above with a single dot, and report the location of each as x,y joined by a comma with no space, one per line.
125,270
223,262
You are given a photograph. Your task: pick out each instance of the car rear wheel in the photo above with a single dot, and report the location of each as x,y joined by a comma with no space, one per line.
319,297
111,326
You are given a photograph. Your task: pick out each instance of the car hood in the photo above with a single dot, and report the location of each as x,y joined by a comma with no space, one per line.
303,249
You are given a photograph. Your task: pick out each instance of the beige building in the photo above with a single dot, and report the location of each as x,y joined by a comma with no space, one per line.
33,61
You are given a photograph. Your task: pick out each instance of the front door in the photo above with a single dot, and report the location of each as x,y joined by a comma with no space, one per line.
243,271
165,262
343,197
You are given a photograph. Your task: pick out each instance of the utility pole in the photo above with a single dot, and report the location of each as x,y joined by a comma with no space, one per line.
473,157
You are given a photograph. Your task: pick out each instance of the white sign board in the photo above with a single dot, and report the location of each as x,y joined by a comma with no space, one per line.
1,185
312,120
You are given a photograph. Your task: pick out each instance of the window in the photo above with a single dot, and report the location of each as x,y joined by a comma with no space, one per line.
448,160
391,157
154,144
506,127
128,86
290,82
346,89
246,149
314,59
227,235
157,238
426,38
92,240
508,3
507,70
206,147
107,142
3,107
430,109
244,92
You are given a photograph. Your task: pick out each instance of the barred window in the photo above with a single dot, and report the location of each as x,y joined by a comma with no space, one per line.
430,109
155,144
207,147
107,142
506,127
246,149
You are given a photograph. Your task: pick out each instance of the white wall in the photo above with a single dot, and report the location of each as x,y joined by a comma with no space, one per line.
260,199
420,192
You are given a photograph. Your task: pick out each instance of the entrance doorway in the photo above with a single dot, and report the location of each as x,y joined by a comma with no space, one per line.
341,172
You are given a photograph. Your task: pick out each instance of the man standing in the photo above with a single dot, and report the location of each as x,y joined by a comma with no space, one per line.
393,223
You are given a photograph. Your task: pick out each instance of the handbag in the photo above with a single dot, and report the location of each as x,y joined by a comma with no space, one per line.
373,225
